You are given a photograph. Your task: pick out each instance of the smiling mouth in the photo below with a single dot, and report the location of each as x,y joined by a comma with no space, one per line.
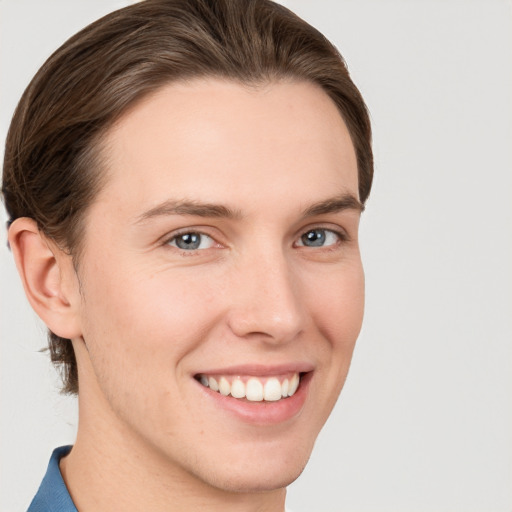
253,389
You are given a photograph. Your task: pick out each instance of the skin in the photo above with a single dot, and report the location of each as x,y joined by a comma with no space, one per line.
146,317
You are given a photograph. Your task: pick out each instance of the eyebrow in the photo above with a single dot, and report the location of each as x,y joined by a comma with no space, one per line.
211,210
174,207
334,205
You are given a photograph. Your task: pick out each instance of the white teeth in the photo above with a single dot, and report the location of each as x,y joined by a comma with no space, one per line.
294,384
254,390
284,388
224,386
213,384
238,388
272,390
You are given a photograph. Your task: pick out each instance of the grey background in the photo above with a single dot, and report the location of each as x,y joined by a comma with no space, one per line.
425,420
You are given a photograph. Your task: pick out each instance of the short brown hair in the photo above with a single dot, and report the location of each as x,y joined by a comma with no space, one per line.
52,166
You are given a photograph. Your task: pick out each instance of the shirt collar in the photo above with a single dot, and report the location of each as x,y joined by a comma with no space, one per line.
53,495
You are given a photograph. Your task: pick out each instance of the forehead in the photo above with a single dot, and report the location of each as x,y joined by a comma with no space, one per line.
220,141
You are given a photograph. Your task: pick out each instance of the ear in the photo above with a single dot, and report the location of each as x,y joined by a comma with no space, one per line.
49,278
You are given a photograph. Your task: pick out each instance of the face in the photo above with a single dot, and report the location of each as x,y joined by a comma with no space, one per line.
221,281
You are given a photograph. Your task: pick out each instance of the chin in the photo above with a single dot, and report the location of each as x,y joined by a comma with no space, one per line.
263,472
258,480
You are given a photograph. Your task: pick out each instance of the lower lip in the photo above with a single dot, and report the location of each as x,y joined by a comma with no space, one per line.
263,413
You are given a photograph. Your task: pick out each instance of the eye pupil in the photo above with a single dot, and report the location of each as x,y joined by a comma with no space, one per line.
188,241
314,238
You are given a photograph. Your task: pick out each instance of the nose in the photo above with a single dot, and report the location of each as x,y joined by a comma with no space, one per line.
266,301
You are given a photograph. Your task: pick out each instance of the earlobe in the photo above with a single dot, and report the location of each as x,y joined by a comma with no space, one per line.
48,277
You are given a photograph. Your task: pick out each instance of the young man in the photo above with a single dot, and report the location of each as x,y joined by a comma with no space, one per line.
184,181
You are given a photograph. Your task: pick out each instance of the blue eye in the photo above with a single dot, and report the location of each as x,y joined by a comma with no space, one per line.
319,238
191,241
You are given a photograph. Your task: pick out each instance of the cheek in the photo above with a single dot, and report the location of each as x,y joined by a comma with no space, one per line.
339,305
336,305
139,329
140,323
339,314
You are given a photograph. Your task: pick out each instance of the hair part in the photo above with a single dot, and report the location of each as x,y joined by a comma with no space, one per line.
53,168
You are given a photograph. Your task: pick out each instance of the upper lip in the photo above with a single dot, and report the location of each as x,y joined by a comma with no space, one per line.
259,370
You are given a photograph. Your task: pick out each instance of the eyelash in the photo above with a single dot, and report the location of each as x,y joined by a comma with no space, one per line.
341,236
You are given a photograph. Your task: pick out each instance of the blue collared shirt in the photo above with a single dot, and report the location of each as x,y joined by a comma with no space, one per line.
53,495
